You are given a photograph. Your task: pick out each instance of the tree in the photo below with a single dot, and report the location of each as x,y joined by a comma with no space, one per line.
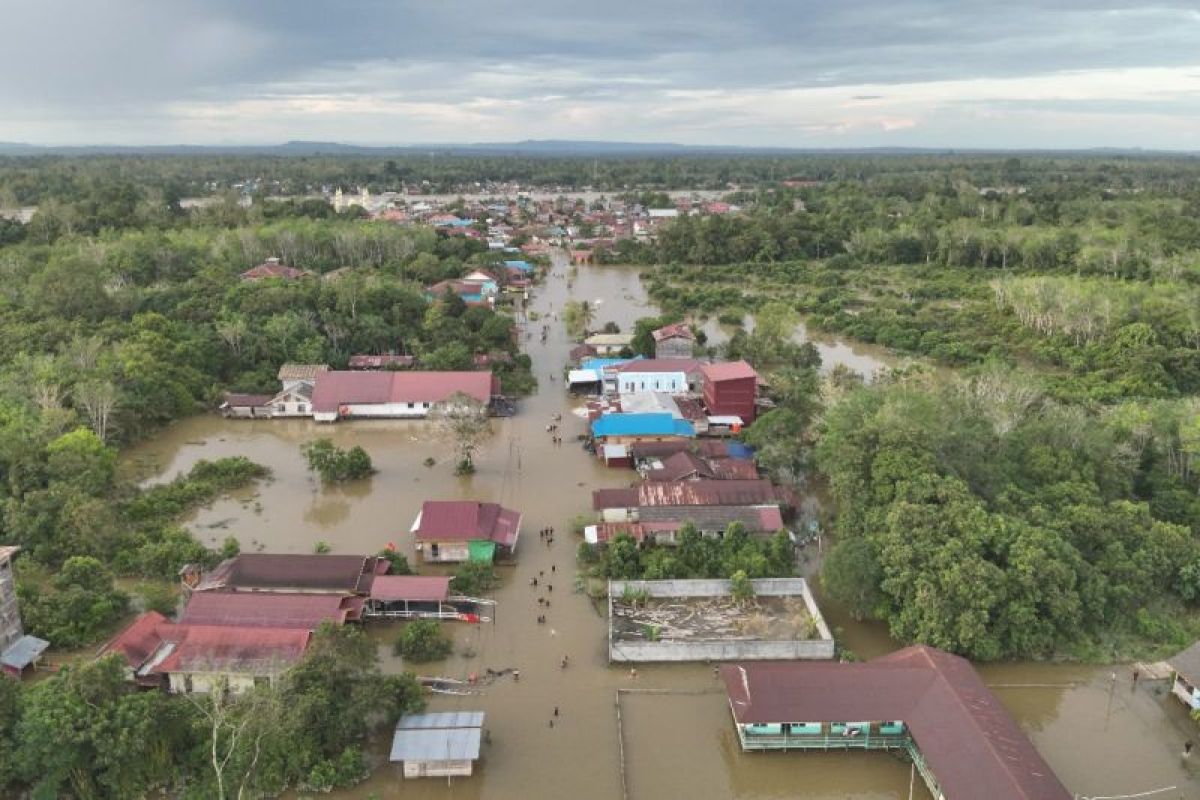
422,640
336,465
464,422
474,578
238,730
99,401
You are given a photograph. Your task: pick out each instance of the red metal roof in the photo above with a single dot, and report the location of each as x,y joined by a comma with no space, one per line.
390,588
704,492
728,370
467,520
660,365
970,742
265,609
219,648
152,644
346,387
680,329
297,571
139,640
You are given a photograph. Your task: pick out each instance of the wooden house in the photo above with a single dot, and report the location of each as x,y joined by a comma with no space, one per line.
674,341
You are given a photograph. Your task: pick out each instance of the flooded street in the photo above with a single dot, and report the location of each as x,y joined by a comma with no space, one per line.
1101,737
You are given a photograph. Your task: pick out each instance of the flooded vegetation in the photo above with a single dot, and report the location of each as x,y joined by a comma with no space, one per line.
673,737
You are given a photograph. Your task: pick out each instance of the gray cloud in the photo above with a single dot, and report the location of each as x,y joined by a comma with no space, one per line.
137,70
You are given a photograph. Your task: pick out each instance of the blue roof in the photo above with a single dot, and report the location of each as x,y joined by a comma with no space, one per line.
456,223
23,652
657,424
739,450
524,266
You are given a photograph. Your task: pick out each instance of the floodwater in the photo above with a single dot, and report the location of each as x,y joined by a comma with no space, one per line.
865,359
675,730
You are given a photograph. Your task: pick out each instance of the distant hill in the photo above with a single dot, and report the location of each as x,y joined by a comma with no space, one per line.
556,148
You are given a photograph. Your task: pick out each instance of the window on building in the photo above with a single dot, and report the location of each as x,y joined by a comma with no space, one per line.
302,408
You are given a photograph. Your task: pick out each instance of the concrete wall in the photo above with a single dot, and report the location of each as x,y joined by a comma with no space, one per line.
819,648
10,617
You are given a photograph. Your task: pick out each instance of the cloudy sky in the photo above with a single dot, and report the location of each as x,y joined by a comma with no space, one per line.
803,73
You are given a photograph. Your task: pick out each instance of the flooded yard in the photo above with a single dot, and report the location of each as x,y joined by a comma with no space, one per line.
1100,736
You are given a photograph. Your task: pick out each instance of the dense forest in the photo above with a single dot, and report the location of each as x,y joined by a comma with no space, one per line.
123,312
1040,499
1028,487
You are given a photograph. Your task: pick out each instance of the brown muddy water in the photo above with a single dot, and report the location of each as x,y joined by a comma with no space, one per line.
1101,737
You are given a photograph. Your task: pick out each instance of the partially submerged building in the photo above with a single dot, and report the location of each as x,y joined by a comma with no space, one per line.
730,390
922,701
609,344
465,530
395,395
185,658
698,620
290,572
423,597
438,745
257,609
1185,681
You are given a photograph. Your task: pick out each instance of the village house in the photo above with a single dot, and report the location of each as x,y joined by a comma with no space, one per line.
685,466
626,429
422,597
465,530
670,375
712,505
928,704
247,406
18,651
1185,682
730,390
303,573
341,394
609,344
385,361
472,293
258,609
186,659
271,268
438,745
674,341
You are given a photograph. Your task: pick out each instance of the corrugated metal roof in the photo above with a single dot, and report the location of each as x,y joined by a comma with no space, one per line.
301,372
346,573
222,648
680,329
684,365
970,742
349,387
265,609
656,424
705,492
728,370
464,520
23,652
391,588
441,736
1187,663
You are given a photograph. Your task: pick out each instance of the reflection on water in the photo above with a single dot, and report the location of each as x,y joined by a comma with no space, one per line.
1099,741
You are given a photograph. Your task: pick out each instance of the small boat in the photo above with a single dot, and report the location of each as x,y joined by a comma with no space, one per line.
442,685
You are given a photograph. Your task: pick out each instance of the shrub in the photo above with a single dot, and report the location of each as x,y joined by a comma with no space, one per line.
422,640
473,578
336,465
